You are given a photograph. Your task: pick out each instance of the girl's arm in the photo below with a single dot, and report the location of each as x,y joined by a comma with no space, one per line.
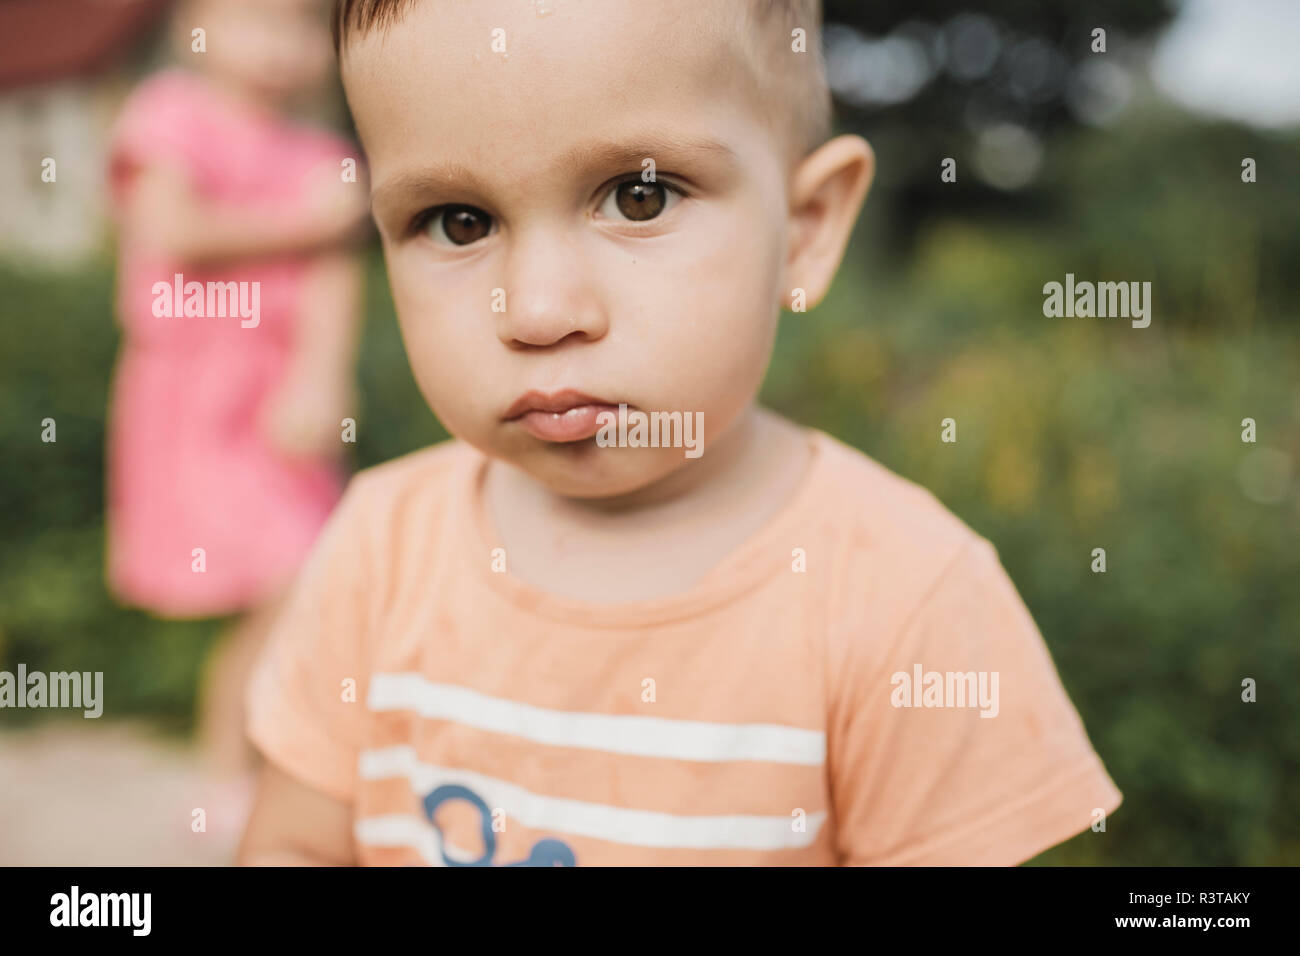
328,328
163,213
304,416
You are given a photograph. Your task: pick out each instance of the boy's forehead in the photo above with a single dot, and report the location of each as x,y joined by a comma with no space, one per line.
493,81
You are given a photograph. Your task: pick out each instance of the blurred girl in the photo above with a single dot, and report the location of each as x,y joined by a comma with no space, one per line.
226,424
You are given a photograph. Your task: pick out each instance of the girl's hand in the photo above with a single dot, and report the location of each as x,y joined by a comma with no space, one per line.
304,419
337,211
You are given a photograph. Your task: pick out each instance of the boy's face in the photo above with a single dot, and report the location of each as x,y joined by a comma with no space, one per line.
662,295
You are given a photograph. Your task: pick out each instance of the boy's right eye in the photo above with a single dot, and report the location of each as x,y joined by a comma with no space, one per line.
457,225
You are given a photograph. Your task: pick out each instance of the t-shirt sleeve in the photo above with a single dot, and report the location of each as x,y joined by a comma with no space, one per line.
998,773
306,698
160,123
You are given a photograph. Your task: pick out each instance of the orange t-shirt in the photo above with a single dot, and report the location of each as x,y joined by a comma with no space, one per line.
858,683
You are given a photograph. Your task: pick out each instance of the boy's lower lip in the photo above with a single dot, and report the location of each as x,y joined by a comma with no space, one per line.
574,424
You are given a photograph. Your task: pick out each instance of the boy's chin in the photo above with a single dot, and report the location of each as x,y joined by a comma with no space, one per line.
585,470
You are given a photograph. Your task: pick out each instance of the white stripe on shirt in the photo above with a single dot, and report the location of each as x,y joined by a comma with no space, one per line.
561,815
641,736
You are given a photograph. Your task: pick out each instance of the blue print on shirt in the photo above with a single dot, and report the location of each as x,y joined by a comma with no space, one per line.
546,852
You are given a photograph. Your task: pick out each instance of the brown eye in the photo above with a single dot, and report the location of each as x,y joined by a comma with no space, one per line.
459,225
639,201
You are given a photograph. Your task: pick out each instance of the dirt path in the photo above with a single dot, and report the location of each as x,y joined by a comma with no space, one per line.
92,794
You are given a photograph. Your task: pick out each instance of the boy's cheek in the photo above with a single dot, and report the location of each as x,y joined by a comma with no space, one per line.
441,363
722,317
441,357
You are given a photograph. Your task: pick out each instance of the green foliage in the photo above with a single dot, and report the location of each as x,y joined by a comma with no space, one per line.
1075,434
55,612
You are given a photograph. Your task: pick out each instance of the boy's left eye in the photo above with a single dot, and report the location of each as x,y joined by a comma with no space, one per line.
636,201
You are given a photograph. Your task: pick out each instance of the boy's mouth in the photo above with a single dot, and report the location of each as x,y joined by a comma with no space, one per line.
562,416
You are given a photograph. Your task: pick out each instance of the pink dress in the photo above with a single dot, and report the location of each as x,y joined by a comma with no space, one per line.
187,465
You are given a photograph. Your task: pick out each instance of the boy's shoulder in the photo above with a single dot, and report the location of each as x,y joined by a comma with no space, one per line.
881,508
389,507
889,536
425,472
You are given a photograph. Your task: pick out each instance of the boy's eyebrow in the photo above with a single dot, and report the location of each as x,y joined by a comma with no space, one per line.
600,154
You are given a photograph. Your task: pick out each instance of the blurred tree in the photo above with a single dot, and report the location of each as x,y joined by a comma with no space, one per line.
982,83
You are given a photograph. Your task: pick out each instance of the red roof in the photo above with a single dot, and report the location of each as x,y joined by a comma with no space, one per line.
42,40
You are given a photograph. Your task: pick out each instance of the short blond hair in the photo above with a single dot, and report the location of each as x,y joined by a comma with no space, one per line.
791,80
791,86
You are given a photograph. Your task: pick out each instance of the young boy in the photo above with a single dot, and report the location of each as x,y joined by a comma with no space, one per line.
547,643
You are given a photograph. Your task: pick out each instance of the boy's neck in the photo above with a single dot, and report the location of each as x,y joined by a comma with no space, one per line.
691,520
733,456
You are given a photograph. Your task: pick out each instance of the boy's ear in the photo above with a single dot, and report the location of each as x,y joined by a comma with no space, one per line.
827,191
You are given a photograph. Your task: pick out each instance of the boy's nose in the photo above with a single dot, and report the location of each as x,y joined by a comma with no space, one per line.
549,295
